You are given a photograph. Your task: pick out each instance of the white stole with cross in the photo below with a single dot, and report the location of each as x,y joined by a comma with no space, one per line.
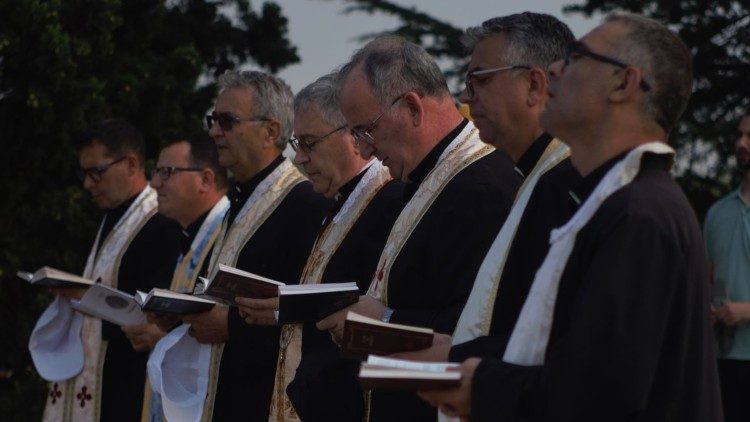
183,281
190,394
528,342
79,397
464,150
326,245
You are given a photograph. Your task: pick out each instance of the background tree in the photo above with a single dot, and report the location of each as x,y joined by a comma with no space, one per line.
65,64
718,34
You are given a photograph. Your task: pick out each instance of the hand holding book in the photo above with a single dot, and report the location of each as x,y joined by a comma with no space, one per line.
455,401
258,311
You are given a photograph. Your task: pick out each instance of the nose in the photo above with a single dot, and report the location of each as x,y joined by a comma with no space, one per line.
301,157
555,69
215,131
365,150
464,97
88,182
156,181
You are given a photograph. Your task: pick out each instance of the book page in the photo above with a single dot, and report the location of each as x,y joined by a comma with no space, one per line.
410,365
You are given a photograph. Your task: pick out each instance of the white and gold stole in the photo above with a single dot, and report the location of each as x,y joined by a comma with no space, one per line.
326,245
195,391
183,281
464,150
79,398
476,316
528,342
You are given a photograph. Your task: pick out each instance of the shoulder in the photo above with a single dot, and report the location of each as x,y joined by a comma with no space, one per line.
722,206
160,226
494,173
303,196
390,195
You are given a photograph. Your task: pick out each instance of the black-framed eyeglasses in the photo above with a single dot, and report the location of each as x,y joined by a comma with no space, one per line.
227,121
309,142
482,72
365,135
165,173
579,48
96,173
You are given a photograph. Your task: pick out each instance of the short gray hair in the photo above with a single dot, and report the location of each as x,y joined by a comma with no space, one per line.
394,66
531,39
272,98
666,63
322,94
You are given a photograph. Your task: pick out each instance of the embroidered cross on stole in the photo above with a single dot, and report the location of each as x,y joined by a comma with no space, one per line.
78,399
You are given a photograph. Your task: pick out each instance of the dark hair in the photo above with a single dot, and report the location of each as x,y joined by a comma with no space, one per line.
118,136
532,39
394,66
666,62
203,154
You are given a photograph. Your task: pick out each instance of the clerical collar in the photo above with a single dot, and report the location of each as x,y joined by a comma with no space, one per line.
111,217
420,172
532,155
587,185
189,233
242,191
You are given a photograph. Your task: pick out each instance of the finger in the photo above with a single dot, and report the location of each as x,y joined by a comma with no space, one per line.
325,323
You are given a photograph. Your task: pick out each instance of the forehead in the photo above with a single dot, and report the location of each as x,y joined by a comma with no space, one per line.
357,101
606,36
309,121
745,124
488,51
94,154
175,155
237,99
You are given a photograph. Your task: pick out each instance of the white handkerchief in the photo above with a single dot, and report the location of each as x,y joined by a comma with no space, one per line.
55,344
178,371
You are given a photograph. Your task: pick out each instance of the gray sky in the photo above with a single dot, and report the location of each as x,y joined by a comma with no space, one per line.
325,37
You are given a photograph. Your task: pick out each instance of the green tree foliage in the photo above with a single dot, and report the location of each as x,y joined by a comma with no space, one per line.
65,64
718,34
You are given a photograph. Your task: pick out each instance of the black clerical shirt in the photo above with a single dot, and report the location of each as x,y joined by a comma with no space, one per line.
432,276
550,206
631,337
148,262
325,387
278,250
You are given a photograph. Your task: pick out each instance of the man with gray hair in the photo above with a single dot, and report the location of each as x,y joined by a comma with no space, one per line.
273,218
321,385
506,88
616,325
457,195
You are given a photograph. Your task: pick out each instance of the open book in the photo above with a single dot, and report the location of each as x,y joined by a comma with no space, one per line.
367,336
225,283
399,374
169,302
313,302
51,277
110,305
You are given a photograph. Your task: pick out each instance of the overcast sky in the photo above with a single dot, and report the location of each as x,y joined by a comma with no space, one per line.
325,37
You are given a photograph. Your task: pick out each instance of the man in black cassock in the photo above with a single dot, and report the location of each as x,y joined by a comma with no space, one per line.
251,124
616,325
347,249
506,89
457,195
112,156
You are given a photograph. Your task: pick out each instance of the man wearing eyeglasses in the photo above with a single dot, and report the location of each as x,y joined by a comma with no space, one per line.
616,325
506,99
273,219
322,385
457,195
135,249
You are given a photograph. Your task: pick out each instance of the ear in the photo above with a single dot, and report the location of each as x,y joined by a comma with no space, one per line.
538,84
628,84
207,180
274,132
414,104
134,164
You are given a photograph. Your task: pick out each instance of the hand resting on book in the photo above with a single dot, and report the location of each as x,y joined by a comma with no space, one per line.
455,402
69,292
334,323
143,337
441,346
258,311
209,327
